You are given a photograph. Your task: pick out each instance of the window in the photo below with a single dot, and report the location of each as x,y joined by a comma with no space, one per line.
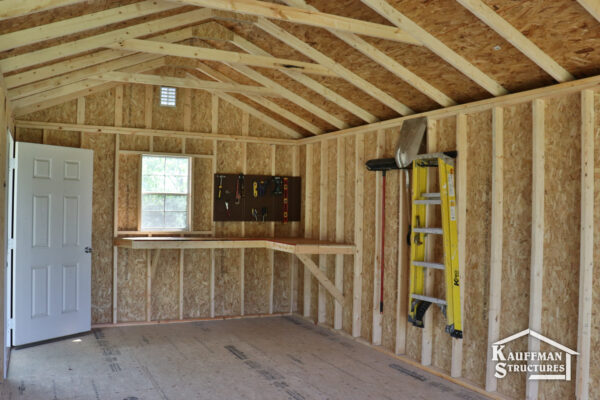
165,193
168,96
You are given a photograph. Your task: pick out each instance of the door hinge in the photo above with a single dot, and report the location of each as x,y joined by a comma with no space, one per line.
12,243
12,162
11,323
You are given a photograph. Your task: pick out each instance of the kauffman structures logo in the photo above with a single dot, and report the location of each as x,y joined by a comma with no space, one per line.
547,365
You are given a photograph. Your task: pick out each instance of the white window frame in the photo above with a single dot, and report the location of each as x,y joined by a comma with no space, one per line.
168,97
189,194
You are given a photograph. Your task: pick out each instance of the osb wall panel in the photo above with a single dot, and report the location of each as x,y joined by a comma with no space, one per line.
167,144
595,337
129,186
227,282
516,251
369,250
201,111
65,112
259,128
442,343
230,119
477,257
29,135
100,108
196,283
203,175
102,221
198,146
392,218
134,142
168,117
165,286
133,105
349,196
60,138
131,281
562,213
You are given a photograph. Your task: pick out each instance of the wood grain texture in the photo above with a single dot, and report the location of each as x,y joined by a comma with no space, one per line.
595,339
131,302
196,283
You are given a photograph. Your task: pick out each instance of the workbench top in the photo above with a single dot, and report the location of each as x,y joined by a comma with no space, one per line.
287,245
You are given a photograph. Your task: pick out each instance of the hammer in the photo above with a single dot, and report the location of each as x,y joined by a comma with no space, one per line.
220,185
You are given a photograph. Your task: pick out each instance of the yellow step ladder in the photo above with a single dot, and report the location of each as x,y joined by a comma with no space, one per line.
419,302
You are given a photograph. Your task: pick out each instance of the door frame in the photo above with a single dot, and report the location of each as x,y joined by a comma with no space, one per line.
8,249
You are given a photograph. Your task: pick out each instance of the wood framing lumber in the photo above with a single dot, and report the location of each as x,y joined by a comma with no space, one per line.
359,204
402,281
384,60
72,48
339,227
321,277
432,179
537,236
79,75
517,39
16,8
461,203
160,80
495,284
323,193
392,14
574,86
231,57
586,254
309,51
251,110
308,196
77,87
70,26
592,6
215,31
59,126
35,81
312,18
205,69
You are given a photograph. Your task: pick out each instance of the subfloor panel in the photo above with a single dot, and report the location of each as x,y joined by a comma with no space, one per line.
261,358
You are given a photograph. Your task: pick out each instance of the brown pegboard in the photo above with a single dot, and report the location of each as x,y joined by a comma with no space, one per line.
242,211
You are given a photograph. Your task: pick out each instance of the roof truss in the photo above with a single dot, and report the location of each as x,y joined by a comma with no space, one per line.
16,8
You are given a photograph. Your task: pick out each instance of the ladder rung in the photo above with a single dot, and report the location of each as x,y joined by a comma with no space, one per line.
429,299
435,231
429,265
430,195
429,201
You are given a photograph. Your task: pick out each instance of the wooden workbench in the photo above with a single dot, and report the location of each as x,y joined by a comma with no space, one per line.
302,248
287,245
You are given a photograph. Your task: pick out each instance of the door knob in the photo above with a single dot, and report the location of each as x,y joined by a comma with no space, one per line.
88,250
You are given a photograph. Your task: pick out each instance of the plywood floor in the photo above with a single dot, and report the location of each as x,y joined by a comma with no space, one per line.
263,358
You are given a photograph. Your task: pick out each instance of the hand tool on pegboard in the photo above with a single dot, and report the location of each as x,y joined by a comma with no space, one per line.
221,177
263,213
239,189
278,186
285,200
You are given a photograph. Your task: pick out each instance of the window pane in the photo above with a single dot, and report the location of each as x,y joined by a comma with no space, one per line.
153,219
176,166
175,203
153,165
153,202
176,184
176,220
153,183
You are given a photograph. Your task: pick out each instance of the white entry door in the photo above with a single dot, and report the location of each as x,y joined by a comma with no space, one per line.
53,232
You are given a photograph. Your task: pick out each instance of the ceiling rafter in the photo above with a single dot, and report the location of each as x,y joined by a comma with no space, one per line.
517,39
309,51
312,18
82,23
65,93
16,8
392,14
185,83
223,33
385,61
591,6
289,95
232,57
102,40
301,122
92,69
